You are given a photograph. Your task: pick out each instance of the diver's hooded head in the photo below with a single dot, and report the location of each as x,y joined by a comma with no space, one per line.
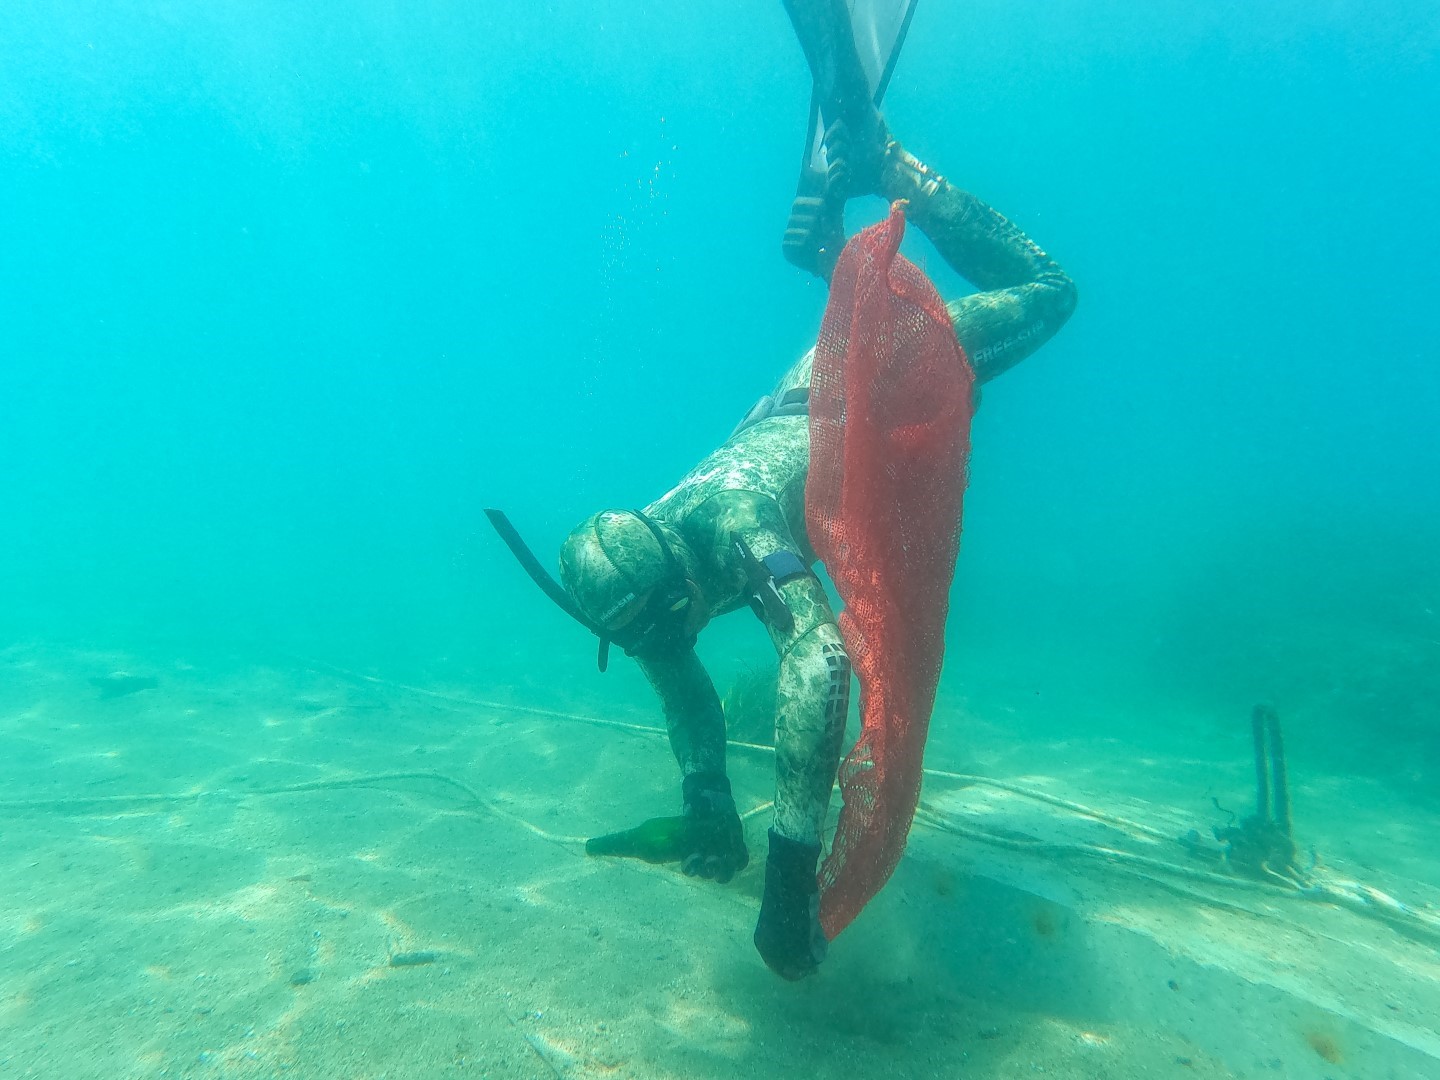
633,578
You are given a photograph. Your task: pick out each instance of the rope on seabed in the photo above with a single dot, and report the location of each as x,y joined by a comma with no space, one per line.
1124,824
102,802
1354,895
81,802
1358,897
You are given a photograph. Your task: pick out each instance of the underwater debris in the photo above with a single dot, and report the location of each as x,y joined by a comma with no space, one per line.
121,683
1261,846
414,959
1045,920
659,840
1326,1045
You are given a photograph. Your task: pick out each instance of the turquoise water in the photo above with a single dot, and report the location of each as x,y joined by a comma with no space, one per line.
288,293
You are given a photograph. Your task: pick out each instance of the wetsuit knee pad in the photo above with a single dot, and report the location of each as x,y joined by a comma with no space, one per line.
837,693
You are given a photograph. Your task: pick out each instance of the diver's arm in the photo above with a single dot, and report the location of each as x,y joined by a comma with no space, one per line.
1026,297
693,715
715,837
812,699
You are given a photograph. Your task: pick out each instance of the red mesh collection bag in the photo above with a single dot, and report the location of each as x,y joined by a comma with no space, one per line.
891,398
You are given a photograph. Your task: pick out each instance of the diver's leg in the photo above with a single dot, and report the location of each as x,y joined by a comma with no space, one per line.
813,699
1025,296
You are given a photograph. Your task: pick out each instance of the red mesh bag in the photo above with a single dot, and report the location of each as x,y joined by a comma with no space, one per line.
891,398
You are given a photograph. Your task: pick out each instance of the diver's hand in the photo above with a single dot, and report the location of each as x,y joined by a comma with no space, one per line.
788,934
716,839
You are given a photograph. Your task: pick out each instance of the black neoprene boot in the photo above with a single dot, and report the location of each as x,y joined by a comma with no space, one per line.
788,934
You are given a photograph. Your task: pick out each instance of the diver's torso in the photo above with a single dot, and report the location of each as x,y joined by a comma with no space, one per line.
754,483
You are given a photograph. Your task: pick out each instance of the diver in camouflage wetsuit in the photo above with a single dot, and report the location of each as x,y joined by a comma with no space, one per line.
732,534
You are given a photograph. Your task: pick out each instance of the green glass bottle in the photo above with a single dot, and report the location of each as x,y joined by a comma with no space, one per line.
659,840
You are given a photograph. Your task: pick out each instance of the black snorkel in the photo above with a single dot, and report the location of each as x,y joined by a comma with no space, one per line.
548,585
669,598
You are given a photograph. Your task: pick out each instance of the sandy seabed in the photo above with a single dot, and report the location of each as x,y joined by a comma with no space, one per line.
285,869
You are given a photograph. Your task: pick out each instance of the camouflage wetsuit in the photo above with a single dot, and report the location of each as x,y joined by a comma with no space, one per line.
753,487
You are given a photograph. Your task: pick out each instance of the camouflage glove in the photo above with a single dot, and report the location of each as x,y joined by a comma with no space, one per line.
716,839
